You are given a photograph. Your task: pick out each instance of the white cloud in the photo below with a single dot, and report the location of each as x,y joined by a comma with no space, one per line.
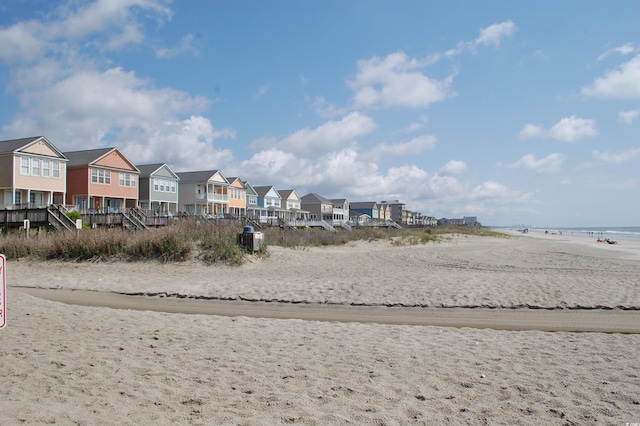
549,164
453,167
617,157
103,16
531,131
328,137
628,117
187,45
621,83
20,42
325,109
417,125
102,103
184,145
396,80
625,49
415,146
262,90
491,35
571,129
107,23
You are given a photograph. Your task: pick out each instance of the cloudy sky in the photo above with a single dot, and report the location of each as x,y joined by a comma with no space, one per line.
522,112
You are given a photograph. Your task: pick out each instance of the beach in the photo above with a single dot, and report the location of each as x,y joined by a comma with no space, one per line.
365,356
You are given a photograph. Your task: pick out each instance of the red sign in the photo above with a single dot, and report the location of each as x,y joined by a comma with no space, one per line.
3,291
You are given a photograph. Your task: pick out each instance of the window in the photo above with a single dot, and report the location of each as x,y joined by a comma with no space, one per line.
128,179
24,166
101,176
35,167
46,168
163,185
56,169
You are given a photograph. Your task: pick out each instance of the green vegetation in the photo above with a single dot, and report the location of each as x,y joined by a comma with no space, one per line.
192,240
405,236
186,240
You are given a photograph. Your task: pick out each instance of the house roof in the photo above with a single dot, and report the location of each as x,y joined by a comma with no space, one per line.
86,157
14,145
313,198
199,176
262,191
286,193
363,205
89,157
235,178
147,170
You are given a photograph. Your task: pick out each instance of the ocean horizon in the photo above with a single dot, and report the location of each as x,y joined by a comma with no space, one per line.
612,232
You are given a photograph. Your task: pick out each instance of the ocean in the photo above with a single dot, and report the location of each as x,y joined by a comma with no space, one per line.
611,232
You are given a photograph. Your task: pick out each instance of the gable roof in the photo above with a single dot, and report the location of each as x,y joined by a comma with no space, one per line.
14,145
90,157
147,170
287,193
232,180
249,188
363,205
86,157
313,198
200,176
262,191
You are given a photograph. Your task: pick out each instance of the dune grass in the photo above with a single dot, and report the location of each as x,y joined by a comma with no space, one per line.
211,244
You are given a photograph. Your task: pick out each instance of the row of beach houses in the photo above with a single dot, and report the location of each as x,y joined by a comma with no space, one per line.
33,172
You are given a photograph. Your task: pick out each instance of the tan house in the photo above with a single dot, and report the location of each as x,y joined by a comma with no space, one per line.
102,180
237,197
292,203
32,172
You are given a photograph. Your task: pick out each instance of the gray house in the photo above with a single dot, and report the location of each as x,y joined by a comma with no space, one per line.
204,193
159,188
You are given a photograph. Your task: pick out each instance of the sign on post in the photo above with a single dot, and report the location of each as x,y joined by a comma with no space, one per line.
3,291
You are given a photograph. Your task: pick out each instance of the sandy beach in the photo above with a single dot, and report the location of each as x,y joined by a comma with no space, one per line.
356,334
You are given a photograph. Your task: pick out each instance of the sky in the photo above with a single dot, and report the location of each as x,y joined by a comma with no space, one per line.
516,112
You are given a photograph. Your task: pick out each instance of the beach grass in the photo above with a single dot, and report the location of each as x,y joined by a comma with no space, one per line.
211,244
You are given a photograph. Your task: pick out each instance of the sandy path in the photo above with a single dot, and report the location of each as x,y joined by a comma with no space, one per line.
592,320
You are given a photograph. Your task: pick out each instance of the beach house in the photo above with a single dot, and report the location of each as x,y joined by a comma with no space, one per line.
32,172
101,180
253,210
237,197
203,192
269,204
291,202
159,188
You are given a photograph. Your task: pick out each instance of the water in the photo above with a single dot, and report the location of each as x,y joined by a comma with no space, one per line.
611,232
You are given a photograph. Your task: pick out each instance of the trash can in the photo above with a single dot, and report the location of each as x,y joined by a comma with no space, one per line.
251,240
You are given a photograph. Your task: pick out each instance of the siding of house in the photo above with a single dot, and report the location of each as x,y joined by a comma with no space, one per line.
6,172
40,188
77,183
169,197
100,195
40,183
237,197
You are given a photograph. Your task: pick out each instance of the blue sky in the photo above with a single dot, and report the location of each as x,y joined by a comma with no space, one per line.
517,112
